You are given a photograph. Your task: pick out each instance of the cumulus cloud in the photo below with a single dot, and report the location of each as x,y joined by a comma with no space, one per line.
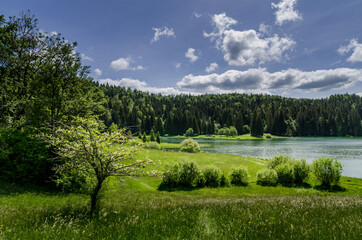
247,47
259,79
213,66
163,31
140,85
98,72
286,12
190,54
85,57
124,64
221,23
178,65
356,49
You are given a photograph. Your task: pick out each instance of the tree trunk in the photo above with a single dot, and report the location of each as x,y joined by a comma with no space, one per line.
94,197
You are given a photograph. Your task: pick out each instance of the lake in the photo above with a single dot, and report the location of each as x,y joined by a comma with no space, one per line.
347,150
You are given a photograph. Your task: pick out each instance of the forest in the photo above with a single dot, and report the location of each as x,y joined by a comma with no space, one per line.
338,115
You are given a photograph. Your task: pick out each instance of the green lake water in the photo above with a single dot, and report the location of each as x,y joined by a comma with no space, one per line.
347,150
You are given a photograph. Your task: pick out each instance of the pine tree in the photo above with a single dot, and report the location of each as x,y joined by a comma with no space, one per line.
152,136
144,138
158,138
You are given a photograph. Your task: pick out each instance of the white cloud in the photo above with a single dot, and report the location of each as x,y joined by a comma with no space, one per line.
140,85
197,15
259,79
98,72
178,65
191,55
85,57
248,48
124,64
164,31
221,23
359,94
264,29
356,49
286,12
213,66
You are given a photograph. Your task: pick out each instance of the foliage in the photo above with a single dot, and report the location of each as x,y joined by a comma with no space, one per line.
24,159
42,78
94,155
239,177
327,170
277,160
285,173
267,177
212,177
301,170
152,136
188,174
144,137
190,145
152,145
158,138
189,132
185,174
224,181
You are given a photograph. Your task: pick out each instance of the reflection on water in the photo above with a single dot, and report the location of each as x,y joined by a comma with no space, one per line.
347,150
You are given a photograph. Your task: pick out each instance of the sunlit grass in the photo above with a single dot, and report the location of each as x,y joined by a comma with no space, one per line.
133,208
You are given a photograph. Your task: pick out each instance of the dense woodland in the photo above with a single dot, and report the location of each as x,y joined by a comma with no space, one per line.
338,115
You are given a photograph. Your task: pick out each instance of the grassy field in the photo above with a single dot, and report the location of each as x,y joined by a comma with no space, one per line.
133,208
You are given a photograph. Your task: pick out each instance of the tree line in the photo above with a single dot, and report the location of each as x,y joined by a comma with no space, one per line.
337,115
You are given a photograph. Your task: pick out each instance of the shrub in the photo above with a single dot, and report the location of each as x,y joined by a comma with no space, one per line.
189,132
152,145
25,159
267,177
285,173
212,177
277,160
327,170
190,145
301,170
170,178
233,132
188,174
201,181
268,135
239,177
224,181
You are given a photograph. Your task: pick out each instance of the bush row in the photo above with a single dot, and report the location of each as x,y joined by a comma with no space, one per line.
189,175
286,170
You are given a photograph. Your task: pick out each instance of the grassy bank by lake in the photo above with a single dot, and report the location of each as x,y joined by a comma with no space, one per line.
239,137
133,208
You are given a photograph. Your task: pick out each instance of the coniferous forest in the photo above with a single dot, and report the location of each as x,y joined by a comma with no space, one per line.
338,115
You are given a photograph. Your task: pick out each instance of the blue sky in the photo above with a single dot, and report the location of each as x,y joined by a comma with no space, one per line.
291,48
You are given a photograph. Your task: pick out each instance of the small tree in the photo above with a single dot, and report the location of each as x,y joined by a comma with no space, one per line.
87,152
152,136
158,137
144,137
327,170
189,132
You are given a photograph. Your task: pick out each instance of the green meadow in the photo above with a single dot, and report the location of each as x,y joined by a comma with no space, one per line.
133,208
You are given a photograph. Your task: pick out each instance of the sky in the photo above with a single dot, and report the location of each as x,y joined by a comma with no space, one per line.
292,48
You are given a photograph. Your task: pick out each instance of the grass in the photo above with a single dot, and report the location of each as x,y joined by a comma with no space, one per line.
133,208
239,137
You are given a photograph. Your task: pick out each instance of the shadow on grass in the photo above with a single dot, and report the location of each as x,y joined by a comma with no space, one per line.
333,188
8,188
297,185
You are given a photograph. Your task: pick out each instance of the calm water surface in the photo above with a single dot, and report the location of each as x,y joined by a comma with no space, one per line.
347,150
